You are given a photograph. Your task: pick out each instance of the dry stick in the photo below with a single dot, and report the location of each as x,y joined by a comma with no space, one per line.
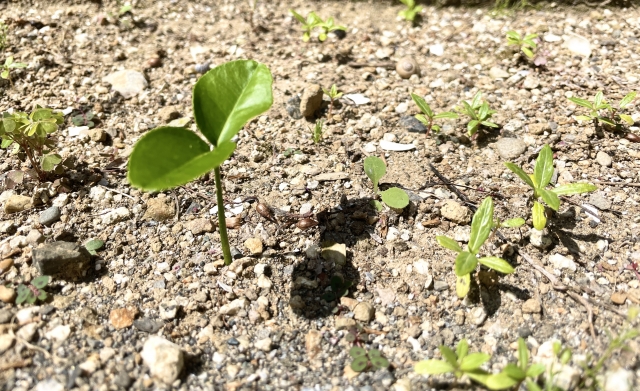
454,189
15,364
116,191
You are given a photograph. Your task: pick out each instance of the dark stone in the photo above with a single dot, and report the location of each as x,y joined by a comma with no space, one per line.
293,107
50,215
524,332
235,253
233,342
63,260
148,325
412,124
5,316
122,379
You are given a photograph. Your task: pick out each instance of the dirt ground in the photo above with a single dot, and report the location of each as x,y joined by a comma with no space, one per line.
262,323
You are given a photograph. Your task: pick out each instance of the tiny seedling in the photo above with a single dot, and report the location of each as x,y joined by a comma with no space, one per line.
542,173
317,131
84,119
478,112
526,44
363,359
333,94
32,291
375,168
409,14
94,245
8,65
339,288
427,117
224,99
482,225
513,375
30,132
327,27
291,151
308,24
613,117
457,362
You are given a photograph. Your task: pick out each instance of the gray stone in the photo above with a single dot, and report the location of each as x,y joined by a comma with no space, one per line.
599,200
127,82
116,215
311,100
148,325
510,148
8,227
164,359
168,309
63,260
234,307
412,124
561,262
539,238
440,285
5,315
17,203
293,107
603,159
50,215
531,82
498,73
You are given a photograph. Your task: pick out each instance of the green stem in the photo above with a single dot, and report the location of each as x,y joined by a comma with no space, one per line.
224,239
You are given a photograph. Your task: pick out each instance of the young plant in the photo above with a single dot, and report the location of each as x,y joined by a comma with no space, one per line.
409,14
308,24
375,168
526,44
8,66
224,99
482,225
539,181
613,117
457,362
362,358
327,27
339,288
333,94
427,117
30,133
513,375
84,119
32,291
94,245
317,131
478,112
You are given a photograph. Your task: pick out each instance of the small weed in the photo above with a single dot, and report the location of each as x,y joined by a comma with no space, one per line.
457,362
363,359
375,168
526,44
94,245
613,117
513,375
312,21
427,117
339,288
30,292
333,94
30,132
9,65
84,119
291,151
479,113
317,131
482,225
540,179
327,27
409,14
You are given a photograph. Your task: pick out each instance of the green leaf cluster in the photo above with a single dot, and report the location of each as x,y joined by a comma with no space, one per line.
84,119
409,14
375,169
363,359
613,117
482,225
513,375
224,99
94,245
30,132
428,116
317,131
312,21
33,291
527,44
542,173
458,362
8,65
479,113
332,93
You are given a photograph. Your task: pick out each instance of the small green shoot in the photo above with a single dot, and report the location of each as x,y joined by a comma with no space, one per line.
84,119
526,44
539,181
375,168
32,291
8,65
409,14
427,117
224,99
613,117
363,359
333,94
291,151
513,375
308,24
94,245
339,288
482,225
317,131
30,132
479,113
327,27
457,362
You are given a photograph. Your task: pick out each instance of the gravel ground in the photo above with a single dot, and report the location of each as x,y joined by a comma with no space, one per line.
156,308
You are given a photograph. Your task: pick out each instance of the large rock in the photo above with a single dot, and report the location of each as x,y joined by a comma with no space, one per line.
164,359
510,148
127,82
63,260
159,209
453,211
17,203
311,100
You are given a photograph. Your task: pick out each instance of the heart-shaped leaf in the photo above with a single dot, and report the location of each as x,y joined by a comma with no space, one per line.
395,198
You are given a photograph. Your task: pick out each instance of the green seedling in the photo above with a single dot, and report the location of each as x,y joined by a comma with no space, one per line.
409,14
363,359
539,181
4,29
317,131
30,132
375,168
291,151
482,225
526,44
613,117
479,113
94,245
333,94
30,292
513,375
339,288
84,119
8,65
457,362
427,117
327,27
308,24
224,99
